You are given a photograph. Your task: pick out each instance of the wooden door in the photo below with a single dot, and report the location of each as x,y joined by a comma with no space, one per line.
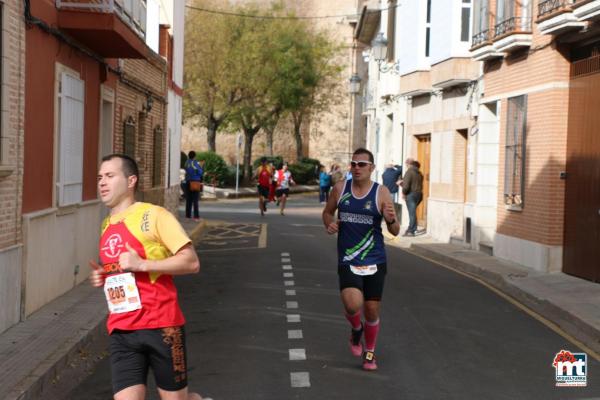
423,156
582,189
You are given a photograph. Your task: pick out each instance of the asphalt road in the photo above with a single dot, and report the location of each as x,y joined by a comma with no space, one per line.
262,327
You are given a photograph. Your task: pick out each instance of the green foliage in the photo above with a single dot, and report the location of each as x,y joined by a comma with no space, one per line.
215,168
276,160
303,173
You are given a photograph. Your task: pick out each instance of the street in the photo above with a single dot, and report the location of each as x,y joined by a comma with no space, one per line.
264,321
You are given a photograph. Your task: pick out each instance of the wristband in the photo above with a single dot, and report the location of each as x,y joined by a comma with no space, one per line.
391,223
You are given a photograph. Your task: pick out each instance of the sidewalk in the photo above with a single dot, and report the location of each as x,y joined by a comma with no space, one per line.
570,303
54,347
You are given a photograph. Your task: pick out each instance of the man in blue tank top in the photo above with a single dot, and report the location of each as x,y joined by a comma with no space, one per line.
361,205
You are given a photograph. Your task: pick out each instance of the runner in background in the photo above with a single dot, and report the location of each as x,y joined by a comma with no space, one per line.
264,176
283,177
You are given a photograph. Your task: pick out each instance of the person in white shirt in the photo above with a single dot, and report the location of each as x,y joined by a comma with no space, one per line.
283,177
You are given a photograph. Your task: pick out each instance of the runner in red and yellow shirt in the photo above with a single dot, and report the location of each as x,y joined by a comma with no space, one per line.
141,247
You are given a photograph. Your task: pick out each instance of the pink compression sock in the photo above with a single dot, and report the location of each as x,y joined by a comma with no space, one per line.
371,331
354,320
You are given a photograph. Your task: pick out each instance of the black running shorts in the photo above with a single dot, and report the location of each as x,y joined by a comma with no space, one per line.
281,192
263,191
370,285
133,352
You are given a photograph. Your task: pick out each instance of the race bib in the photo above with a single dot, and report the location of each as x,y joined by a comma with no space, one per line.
122,293
363,270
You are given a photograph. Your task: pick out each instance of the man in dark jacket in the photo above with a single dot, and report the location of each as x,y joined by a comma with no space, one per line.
390,176
412,189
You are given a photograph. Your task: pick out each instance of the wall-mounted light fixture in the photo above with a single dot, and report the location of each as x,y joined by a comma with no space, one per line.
354,84
149,102
379,51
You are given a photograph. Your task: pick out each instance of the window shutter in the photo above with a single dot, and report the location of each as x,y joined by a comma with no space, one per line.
70,176
129,137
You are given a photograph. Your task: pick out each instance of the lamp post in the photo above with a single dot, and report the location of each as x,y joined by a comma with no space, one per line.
379,51
353,89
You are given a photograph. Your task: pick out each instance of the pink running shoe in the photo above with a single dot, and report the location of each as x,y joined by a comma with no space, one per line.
355,343
369,363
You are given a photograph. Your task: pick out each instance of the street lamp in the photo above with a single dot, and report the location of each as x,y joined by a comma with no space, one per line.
354,84
379,51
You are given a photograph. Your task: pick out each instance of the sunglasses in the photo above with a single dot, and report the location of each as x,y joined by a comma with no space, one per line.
360,164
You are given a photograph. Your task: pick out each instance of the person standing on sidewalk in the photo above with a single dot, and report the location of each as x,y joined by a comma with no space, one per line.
283,177
412,189
324,185
362,264
264,175
193,178
141,247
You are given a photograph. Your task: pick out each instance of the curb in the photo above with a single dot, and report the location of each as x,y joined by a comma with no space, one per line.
570,323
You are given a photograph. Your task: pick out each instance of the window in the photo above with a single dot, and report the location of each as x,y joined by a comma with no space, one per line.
514,167
480,16
70,139
157,159
428,28
129,137
504,10
391,29
465,21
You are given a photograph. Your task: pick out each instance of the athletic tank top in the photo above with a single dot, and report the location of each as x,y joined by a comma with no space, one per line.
360,241
138,227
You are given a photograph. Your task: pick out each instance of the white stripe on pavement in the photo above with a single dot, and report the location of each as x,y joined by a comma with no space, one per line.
293,318
288,274
288,283
287,267
291,304
300,379
295,334
285,254
286,260
291,292
297,354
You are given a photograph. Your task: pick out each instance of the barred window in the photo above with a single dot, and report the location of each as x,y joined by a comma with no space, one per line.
514,167
129,137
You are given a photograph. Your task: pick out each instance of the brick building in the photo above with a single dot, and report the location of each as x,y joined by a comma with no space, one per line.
12,88
540,93
74,75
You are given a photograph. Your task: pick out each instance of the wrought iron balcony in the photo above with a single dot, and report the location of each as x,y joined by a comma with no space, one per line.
481,37
112,28
131,11
512,25
549,7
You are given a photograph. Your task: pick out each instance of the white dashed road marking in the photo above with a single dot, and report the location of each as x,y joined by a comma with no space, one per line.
293,318
297,379
300,379
297,354
295,334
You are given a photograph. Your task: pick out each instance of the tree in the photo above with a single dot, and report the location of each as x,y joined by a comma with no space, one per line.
210,90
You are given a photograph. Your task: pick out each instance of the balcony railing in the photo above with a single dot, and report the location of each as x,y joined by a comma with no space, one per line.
133,12
480,38
548,7
512,25
586,66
